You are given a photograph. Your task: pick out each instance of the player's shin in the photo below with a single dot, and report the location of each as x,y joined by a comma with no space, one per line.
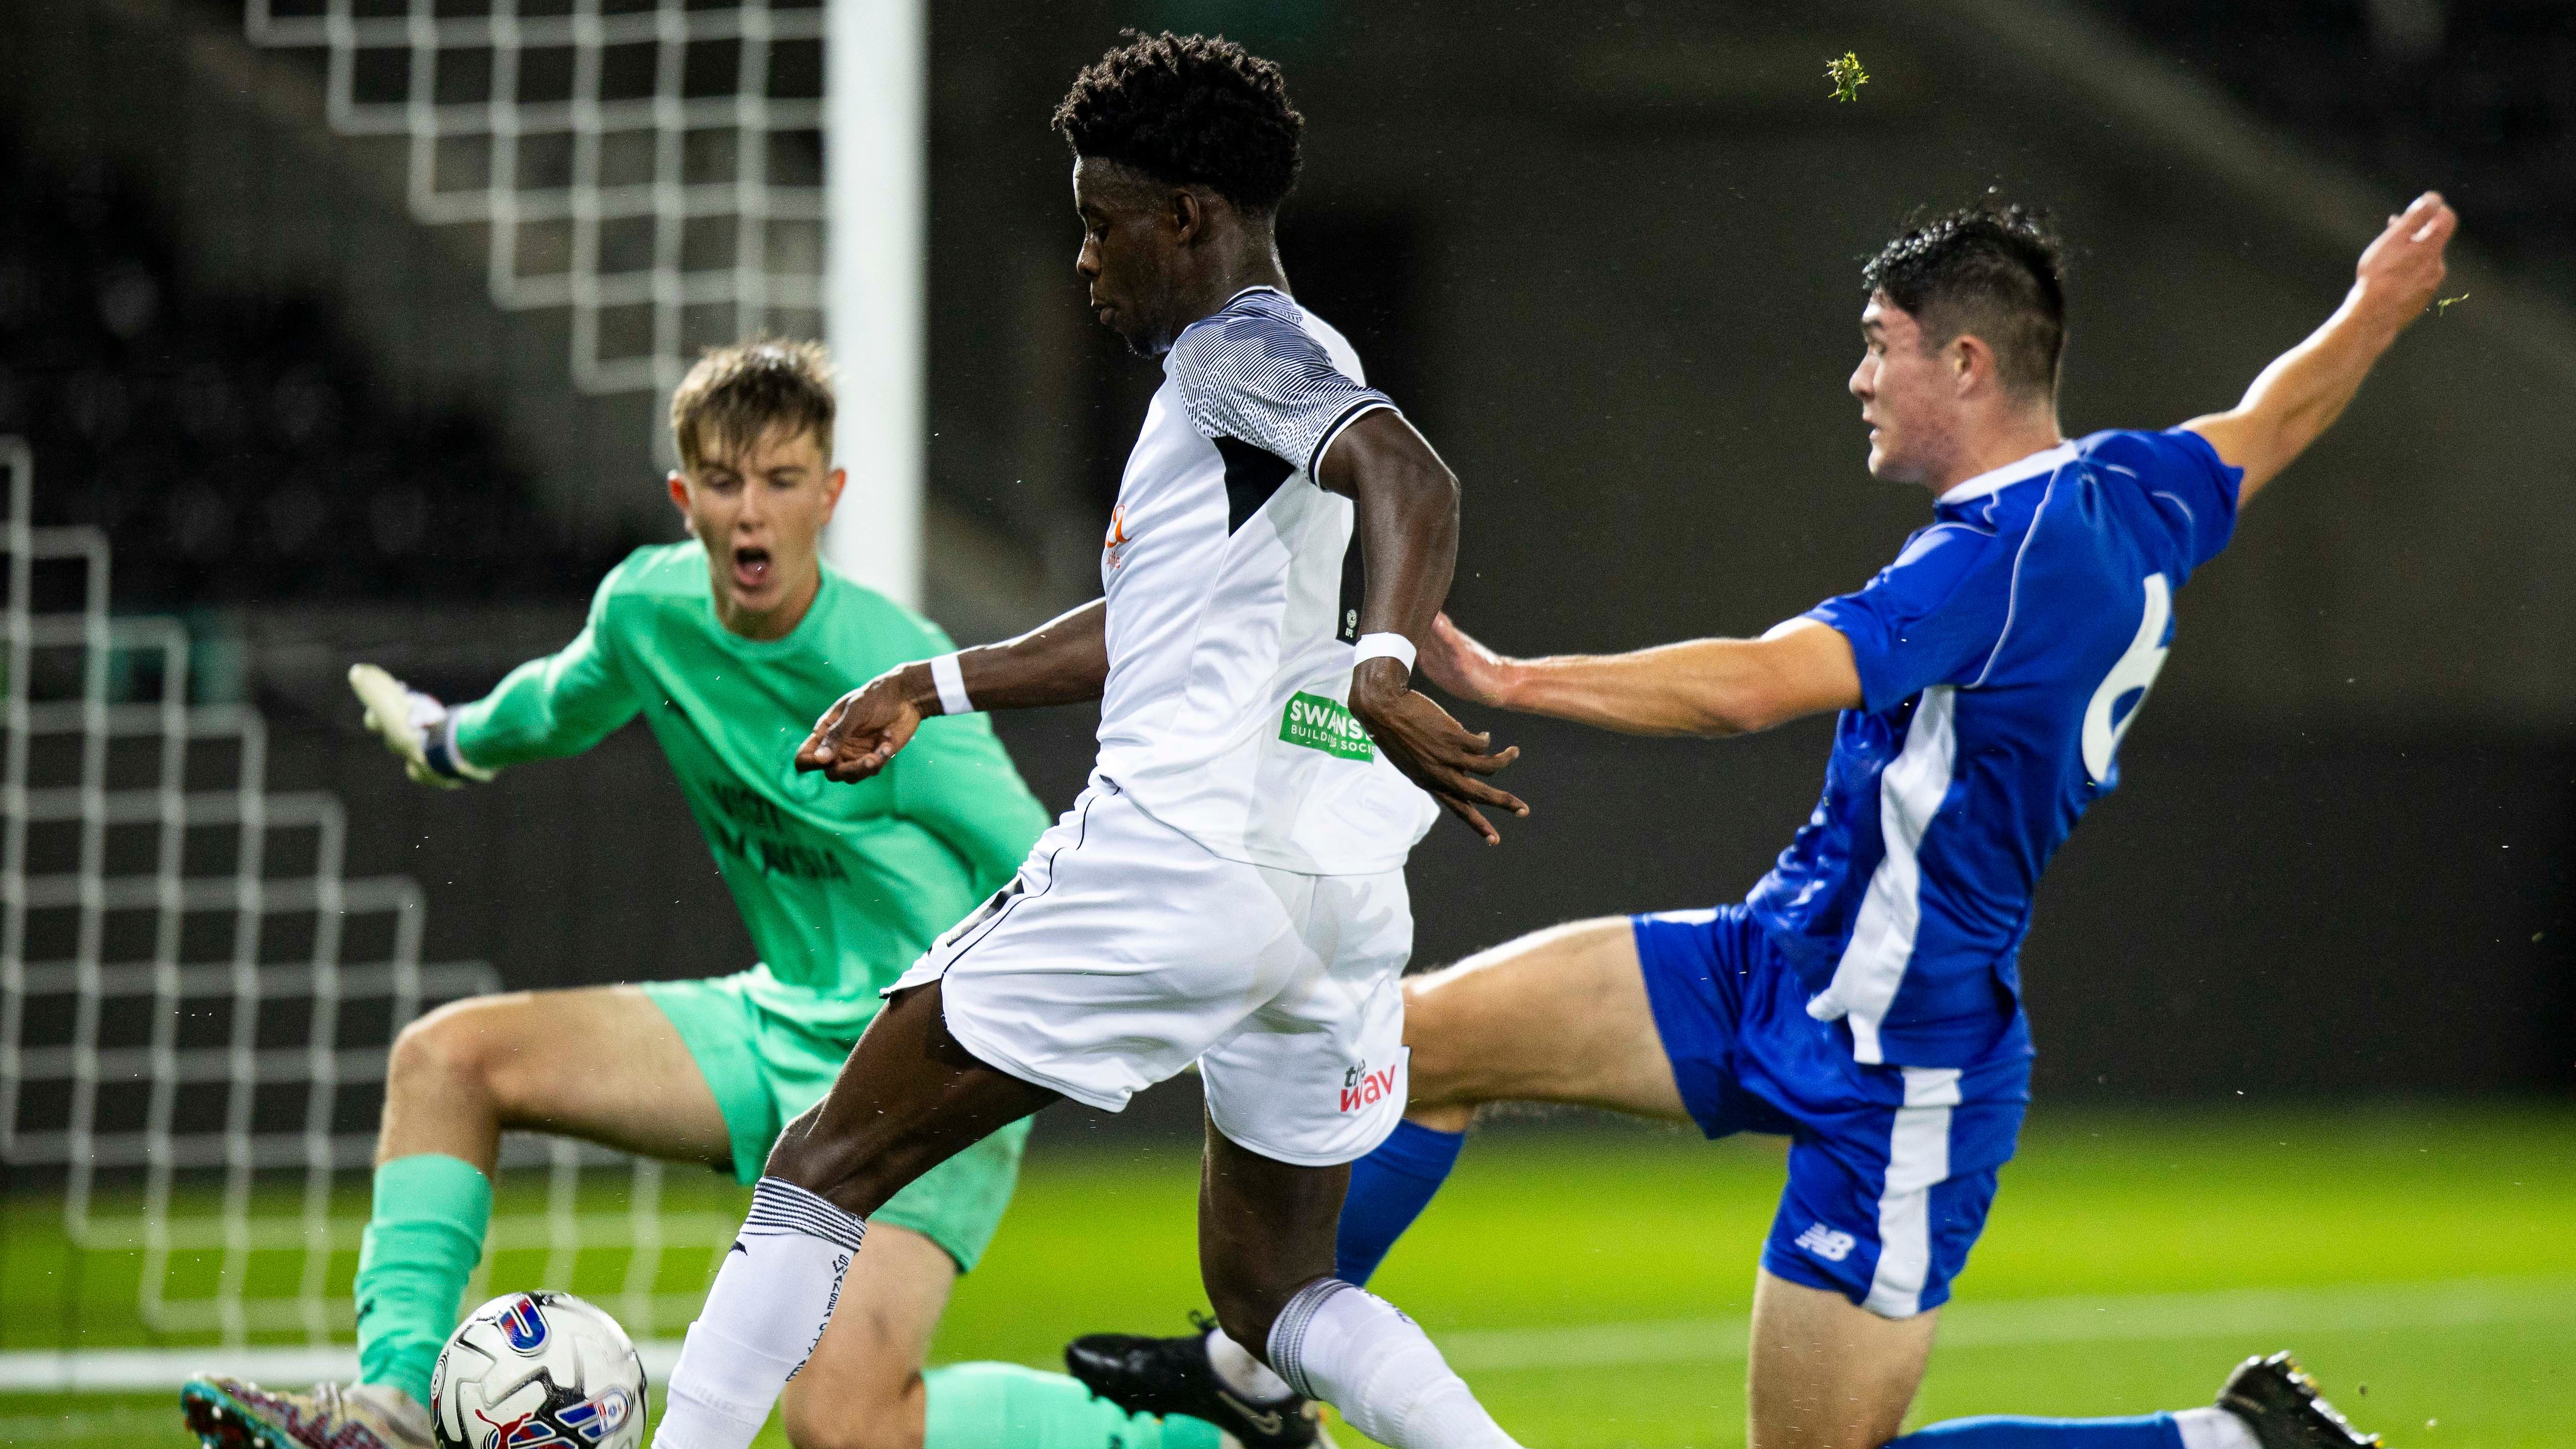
1389,1189
771,1299
423,1239
1353,1350
2189,1429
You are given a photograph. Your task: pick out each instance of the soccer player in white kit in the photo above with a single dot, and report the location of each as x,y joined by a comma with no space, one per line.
1229,889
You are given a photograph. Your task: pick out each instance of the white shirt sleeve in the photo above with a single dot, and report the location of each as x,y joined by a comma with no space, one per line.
1253,374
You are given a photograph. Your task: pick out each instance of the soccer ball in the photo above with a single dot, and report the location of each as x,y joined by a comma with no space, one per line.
531,1369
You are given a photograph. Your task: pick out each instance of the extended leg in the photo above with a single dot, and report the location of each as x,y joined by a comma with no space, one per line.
909,1098
457,1078
865,1387
1826,1374
2268,1403
1556,1016
1265,1249
461,1075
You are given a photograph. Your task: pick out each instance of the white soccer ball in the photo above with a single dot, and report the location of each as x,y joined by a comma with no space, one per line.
531,1369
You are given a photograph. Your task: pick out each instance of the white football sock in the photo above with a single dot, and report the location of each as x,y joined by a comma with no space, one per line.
1238,1370
1353,1350
2214,1429
764,1315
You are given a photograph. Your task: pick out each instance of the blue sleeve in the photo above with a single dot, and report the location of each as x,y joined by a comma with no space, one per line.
1931,617
2184,478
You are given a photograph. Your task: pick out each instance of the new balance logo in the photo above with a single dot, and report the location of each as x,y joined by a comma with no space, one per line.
1827,1244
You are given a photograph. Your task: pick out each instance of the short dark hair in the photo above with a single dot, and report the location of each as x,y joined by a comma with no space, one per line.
1998,272
737,393
1191,110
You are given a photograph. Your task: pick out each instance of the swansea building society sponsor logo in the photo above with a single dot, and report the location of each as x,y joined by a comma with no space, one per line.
1827,1244
1318,723
1364,1088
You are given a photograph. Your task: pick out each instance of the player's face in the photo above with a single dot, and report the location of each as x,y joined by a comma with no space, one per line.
1128,249
759,509
1908,396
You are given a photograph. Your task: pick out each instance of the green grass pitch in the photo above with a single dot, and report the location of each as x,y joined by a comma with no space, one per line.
1591,1279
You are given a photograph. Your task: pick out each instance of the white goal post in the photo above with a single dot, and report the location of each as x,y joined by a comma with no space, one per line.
877,240
663,199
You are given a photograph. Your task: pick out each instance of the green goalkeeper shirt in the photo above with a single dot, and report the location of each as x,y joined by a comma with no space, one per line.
842,886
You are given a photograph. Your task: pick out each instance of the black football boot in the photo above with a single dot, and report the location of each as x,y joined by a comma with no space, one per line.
2277,1398
1173,1376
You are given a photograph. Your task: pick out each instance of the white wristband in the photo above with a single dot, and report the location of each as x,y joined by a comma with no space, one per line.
951,682
1384,646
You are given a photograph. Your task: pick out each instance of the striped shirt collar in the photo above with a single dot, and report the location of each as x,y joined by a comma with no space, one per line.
2046,460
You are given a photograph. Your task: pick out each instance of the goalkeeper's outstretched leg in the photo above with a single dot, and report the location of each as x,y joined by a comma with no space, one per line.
468,1072
724,645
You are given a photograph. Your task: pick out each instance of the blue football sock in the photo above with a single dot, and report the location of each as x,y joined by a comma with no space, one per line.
2147,1431
1389,1189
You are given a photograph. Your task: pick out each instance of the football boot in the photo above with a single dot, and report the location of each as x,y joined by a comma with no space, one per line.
230,1413
2280,1402
1163,1376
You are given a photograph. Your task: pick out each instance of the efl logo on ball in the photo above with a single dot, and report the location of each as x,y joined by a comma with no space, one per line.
524,1325
538,1371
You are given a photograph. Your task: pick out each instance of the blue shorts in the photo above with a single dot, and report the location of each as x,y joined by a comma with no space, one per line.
1891,1168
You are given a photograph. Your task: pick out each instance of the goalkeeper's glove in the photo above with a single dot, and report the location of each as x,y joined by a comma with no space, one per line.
414,726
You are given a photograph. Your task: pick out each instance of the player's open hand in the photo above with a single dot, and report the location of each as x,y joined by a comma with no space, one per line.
861,731
2402,269
1431,748
1460,665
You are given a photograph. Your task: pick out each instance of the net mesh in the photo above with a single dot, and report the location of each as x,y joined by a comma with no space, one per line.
654,167
196,1000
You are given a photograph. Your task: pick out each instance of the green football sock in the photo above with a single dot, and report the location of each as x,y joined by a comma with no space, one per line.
1005,1406
420,1247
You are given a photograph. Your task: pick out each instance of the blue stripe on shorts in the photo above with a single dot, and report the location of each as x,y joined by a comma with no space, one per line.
1891,1168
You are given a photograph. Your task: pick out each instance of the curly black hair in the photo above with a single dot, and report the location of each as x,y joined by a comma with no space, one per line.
1189,110
1996,271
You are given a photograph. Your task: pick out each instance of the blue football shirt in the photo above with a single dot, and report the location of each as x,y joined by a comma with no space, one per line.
2001,658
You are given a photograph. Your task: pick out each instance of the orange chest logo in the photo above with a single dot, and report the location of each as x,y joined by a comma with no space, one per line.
1115,544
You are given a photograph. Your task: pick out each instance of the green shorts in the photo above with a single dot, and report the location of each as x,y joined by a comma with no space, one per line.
766,1067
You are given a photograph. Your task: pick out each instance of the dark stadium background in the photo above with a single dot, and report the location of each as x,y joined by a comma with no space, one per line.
1606,257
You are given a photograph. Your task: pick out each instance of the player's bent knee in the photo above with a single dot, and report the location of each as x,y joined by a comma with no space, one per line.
449,1047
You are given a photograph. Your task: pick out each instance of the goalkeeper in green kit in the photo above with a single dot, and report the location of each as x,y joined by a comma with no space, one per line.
730,645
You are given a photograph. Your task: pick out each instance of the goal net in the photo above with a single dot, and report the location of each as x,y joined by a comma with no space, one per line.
196,1002
653,165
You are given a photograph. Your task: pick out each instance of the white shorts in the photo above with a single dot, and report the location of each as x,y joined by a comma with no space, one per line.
1124,950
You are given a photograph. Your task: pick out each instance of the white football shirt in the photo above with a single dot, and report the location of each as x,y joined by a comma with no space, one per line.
1233,592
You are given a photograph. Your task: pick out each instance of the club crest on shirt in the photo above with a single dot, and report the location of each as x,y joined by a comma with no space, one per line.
1115,545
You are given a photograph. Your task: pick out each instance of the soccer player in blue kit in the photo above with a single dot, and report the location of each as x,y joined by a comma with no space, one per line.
1865,998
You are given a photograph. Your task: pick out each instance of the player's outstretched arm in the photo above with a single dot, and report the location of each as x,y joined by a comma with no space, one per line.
1408,534
2306,388
1062,661
413,725
1702,687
